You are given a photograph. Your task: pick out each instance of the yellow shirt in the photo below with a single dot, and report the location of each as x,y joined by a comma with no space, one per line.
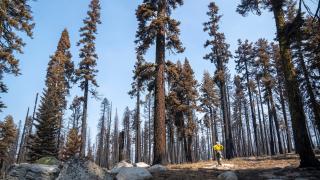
218,147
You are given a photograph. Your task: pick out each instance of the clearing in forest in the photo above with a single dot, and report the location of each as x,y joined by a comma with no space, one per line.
280,167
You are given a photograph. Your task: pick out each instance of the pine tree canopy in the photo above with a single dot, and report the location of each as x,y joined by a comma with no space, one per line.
151,18
209,96
219,48
16,17
86,70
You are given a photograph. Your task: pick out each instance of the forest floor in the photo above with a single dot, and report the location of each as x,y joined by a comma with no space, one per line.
278,167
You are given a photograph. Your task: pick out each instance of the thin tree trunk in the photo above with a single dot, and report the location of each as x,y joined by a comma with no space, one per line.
208,144
138,131
59,147
22,142
249,141
102,132
185,145
107,146
261,128
285,120
84,120
253,116
226,120
121,146
242,130
213,130
171,142
34,113
275,119
149,117
272,148
189,157
263,118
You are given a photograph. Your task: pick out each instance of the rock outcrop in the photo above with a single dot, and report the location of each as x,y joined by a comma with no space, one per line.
33,171
133,173
116,169
78,169
82,170
229,175
157,168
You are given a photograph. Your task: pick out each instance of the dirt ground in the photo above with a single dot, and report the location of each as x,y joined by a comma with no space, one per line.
280,167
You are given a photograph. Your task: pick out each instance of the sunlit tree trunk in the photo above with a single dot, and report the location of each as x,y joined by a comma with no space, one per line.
159,156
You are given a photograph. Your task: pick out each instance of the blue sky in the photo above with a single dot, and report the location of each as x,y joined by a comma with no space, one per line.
115,47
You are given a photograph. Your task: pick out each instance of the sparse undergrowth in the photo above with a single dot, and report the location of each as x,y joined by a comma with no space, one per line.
279,167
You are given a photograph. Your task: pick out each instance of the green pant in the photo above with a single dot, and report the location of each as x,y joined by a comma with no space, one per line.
218,155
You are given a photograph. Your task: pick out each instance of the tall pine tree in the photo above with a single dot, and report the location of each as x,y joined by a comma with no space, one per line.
219,55
156,26
50,114
245,61
267,71
86,72
101,132
190,95
209,100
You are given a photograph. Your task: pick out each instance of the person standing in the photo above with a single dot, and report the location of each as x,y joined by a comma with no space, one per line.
218,148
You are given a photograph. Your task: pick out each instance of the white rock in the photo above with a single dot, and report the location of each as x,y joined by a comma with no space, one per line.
142,165
229,175
157,168
116,169
133,173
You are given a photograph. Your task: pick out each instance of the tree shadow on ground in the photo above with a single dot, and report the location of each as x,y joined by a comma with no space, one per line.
243,174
